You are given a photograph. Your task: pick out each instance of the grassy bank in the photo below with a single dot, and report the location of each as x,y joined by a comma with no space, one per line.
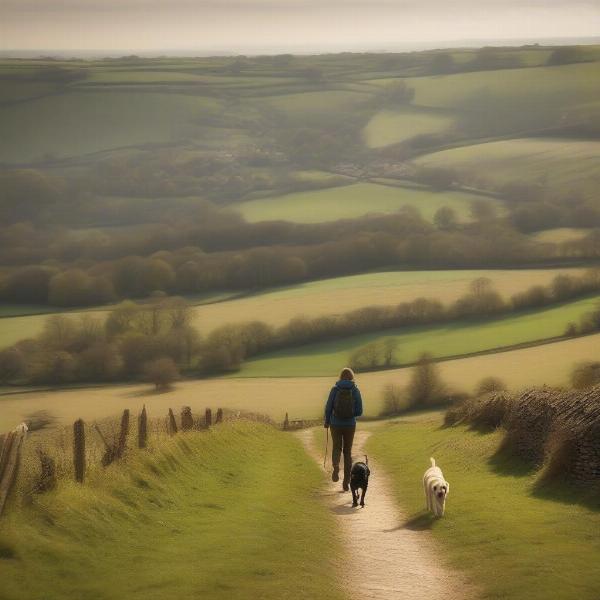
515,543
226,514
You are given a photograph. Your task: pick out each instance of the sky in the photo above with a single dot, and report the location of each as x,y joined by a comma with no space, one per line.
271,26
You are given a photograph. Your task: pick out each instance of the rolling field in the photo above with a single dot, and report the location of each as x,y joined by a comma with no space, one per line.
351,201
313,299
561,234
562,165
445,340
302,397
494,521
83,122
130,531
391,127
573,84
305,105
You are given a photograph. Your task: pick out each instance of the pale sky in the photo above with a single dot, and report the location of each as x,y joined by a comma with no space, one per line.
278,25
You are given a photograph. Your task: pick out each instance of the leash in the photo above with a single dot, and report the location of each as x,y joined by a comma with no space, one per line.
326,447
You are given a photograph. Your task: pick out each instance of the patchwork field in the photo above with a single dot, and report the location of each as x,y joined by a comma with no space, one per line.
391,127
313,299
575,83
563,166
188,497
304,105
302,397
87,122
451,339
564,564
351,201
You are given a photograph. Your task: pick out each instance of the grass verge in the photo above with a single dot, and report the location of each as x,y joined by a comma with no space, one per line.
225,514
514,542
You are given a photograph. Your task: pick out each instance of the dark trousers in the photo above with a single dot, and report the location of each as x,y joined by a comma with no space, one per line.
342,438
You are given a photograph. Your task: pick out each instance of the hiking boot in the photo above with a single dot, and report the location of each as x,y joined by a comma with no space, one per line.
335,476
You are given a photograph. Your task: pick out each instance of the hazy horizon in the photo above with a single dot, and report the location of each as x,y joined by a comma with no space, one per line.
270,26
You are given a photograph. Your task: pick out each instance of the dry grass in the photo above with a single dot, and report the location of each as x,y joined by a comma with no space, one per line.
302,397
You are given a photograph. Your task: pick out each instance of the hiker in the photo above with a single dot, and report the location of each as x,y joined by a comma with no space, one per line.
343,406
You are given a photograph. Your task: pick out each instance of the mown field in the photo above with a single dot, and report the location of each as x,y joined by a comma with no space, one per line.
495,522
348,202
445,340
185,501
312,299
301,397
564,166
393,126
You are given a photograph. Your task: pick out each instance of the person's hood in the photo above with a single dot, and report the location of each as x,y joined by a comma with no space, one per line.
345,384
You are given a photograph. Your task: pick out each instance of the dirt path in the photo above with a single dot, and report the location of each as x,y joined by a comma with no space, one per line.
385,560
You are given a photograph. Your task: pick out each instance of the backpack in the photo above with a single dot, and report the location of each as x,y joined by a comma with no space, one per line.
343,403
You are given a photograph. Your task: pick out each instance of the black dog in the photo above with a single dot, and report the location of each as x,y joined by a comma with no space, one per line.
359,479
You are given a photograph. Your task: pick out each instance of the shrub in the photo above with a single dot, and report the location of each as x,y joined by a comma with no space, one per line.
12,365
585,374
438,178
395,400
162,372
490,384
445,218
426,387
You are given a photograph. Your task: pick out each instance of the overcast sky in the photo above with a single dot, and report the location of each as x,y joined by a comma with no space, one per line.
276,25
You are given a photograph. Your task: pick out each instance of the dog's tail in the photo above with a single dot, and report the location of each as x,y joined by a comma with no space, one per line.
432,462
366,460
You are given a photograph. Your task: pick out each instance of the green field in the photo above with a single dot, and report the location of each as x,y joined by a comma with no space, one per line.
450,339
351,201
393,126
562,165
88,122
512,542
179,506
573,84
305,105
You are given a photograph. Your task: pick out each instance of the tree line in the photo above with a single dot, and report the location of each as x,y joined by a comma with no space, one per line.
192,258
134,336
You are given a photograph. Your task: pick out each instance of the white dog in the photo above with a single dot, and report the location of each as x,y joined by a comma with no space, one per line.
22,428
436,489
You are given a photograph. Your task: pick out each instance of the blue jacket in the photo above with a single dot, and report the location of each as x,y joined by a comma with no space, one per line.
358,407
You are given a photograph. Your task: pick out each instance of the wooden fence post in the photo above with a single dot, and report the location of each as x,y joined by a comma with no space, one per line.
187,420
47,480
143,428
79,450
208,417
122,445
286,422
219,418
172,423
9,463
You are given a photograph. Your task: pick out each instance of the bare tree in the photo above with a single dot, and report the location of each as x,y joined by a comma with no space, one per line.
426,387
